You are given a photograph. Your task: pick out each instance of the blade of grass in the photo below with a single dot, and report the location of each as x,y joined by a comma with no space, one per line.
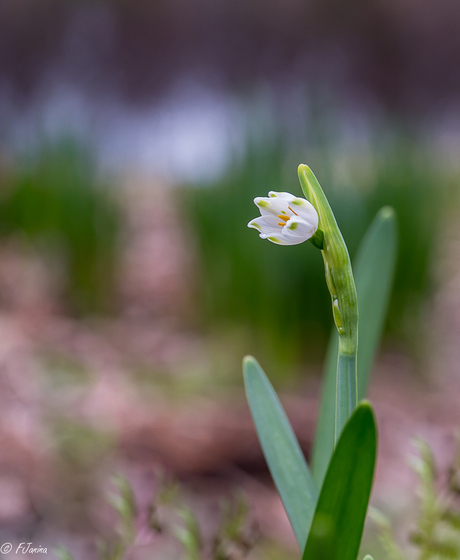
281,449
338,523
374,271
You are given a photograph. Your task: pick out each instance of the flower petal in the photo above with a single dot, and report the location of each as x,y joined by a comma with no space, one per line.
298,228
266,225
304,209
285,219
283,239
285,195
273,205
278,240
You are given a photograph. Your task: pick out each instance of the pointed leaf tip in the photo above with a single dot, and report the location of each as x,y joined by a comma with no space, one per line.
281,449
387,213
365,405
303,167
249,360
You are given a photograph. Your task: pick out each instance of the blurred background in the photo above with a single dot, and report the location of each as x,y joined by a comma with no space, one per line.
133,139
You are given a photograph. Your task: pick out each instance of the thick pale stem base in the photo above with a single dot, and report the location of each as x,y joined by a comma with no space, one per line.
346,390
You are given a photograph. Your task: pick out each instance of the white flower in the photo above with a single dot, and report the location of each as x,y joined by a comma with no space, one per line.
285,219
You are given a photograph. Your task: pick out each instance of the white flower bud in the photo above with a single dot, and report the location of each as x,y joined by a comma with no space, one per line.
285,219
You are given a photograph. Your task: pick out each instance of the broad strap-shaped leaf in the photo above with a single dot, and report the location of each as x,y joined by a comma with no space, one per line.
374,270
338,523
281,449
375,266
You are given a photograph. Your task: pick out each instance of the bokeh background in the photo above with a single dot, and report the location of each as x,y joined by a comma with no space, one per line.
133,138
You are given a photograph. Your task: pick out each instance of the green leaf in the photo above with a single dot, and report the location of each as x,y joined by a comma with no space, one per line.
62,553
281,449
375,266
374,271
338,523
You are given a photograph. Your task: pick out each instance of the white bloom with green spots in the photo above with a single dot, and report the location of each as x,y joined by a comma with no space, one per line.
285,219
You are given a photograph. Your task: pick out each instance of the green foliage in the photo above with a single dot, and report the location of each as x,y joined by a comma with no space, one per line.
235,538
437,532
436,535
277,294
115,548
338,523
123,502
63,554
80,447
167,493
389,545
54,200
189,535
282,451
168,517
335,530
338,520
373,269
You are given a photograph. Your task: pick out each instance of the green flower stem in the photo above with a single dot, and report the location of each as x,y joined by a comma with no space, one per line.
346,388
341,285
